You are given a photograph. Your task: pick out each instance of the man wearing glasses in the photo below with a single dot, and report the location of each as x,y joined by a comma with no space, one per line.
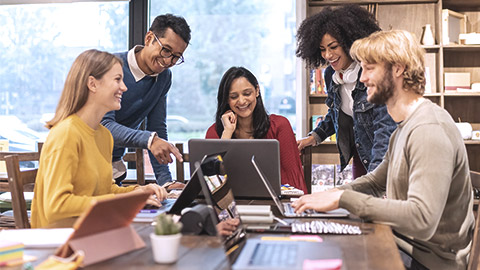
148,78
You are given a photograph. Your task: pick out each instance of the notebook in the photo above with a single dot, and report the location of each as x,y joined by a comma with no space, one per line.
244,181
286,208
257,253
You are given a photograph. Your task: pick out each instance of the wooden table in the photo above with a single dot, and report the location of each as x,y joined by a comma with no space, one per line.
196,252
374,250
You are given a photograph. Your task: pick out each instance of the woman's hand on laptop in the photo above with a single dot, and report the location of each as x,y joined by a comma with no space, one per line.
158,194
320,202
228,226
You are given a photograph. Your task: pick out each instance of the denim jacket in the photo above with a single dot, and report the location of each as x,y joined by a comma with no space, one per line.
372,125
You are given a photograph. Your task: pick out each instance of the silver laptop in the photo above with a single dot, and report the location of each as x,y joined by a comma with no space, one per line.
243,178
286,208
265,254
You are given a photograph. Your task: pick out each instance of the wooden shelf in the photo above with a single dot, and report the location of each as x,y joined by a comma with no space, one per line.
456,48
318,95
431,47
440,58
462,94
365,2
432,95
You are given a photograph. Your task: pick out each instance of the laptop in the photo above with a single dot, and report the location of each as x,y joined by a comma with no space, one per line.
189,193
257,253
286,208
244,180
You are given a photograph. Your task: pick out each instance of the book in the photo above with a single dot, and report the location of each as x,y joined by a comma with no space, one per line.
430,73
254,210
320,81
313,89
343,177
317,81
323,177
316,119
247,219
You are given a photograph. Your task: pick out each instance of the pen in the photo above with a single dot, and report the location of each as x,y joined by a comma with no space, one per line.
280,220
148,211
232,249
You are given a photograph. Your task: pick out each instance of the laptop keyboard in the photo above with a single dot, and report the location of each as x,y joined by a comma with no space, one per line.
274,254
289,210
325,227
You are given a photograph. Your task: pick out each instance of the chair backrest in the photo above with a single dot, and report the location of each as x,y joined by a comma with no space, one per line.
137,157
473,262
306,158
180,166
20,181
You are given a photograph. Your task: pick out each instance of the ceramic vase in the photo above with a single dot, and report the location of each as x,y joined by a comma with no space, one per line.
427,35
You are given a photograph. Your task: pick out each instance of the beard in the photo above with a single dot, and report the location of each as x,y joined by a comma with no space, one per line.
384,89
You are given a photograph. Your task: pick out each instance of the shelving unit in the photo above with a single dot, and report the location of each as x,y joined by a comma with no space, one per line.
412,15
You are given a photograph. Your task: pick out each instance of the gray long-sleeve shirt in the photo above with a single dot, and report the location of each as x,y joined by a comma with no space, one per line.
426,177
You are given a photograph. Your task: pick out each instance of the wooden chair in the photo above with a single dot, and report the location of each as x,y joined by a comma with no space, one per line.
3,177
136,157
306,158
180,166
473,262
20,181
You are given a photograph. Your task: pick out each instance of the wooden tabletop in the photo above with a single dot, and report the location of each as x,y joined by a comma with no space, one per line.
196,252
375,249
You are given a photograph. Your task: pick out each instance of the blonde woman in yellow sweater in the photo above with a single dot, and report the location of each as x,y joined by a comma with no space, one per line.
75,165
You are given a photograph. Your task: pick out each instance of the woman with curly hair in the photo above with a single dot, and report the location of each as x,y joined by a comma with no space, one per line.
362,129
241,115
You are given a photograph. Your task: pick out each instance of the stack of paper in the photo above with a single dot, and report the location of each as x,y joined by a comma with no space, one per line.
37,238
255,213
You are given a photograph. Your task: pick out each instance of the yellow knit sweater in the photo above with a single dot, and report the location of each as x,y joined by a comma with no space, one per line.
74,169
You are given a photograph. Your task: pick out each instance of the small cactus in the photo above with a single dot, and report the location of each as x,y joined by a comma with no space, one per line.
165,225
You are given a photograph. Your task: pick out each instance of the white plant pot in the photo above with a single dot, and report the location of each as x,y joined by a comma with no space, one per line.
165,247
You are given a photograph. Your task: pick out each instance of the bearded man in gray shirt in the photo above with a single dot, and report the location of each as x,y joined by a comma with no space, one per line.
425,172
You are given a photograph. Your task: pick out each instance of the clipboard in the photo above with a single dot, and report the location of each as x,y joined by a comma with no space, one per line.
104,230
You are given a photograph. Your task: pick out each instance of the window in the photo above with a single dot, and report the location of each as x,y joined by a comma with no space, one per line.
39,43
256,34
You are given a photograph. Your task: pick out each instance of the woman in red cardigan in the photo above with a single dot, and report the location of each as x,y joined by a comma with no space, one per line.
241,115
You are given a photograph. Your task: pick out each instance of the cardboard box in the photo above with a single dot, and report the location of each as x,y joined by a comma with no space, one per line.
454,80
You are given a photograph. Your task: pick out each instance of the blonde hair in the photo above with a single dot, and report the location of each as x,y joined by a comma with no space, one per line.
391,48
75,91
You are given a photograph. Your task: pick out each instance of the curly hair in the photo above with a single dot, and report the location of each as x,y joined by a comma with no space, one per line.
346,24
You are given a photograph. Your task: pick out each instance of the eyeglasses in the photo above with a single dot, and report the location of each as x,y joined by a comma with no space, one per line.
166,53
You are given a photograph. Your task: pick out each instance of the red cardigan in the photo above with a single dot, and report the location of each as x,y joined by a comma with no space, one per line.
291,166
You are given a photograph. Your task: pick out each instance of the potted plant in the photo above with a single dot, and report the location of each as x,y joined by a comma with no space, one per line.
166,239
